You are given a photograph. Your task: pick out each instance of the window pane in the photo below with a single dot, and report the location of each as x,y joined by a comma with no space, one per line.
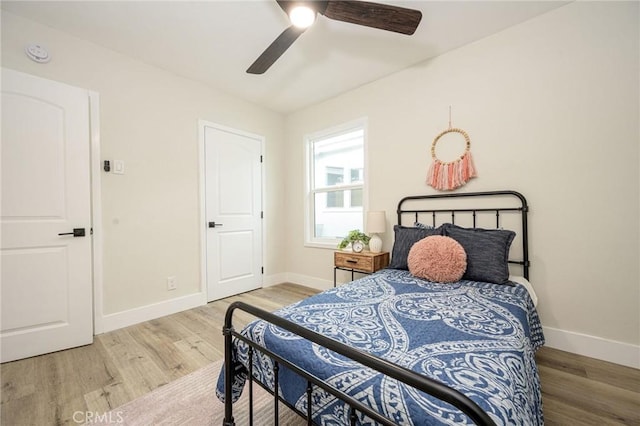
356,198
335,154
334,176
335,199
331,222
356,175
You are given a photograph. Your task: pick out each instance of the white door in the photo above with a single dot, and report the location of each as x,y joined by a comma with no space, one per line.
46,288
233,211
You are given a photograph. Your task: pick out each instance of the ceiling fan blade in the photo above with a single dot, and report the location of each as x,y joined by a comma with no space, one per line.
275,50
285,5
375,15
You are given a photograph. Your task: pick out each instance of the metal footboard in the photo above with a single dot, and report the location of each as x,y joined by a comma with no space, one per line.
402,374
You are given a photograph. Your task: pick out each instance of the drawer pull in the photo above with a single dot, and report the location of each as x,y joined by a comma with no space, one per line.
351,261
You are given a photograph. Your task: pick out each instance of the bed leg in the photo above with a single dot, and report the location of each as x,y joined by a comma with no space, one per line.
352,416
228,378
250,386
276,368
309,391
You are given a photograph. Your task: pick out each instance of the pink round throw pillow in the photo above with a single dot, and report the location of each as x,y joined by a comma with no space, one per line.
437,258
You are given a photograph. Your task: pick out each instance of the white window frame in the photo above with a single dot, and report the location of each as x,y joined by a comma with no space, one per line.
309,224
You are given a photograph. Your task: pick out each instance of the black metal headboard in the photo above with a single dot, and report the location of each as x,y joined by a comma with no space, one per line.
436,207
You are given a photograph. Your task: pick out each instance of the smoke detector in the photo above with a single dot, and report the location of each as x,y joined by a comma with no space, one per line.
37,53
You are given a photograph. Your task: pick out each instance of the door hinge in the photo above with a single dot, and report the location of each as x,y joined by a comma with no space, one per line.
262,270
261,158
262,215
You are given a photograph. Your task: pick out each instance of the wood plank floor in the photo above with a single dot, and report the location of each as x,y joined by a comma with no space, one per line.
59,388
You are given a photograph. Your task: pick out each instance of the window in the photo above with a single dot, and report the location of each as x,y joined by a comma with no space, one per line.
335,190
335,176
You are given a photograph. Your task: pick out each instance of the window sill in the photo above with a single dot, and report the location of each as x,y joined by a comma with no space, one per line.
327,246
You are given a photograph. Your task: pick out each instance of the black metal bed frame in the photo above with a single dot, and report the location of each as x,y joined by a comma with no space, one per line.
404,375
522,209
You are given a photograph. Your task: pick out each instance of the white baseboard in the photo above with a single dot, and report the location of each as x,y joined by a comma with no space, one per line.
156,310
309,281
271,280
288,277
593,347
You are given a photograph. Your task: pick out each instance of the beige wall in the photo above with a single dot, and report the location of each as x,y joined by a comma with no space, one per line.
552,109
149,119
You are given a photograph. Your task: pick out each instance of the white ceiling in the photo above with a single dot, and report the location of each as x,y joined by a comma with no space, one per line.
214,42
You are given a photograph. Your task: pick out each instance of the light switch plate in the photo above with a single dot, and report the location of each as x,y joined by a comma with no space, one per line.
118,167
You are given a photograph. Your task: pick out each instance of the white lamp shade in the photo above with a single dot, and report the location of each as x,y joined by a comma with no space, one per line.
376,222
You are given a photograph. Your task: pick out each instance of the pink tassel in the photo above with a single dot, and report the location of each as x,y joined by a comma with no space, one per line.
458,168
471,166
452,175
465,167
436,174
430,173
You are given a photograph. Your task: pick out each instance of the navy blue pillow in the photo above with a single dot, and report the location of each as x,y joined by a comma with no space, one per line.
487,252
405,238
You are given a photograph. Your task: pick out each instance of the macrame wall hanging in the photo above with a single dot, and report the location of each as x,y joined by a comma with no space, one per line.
448,175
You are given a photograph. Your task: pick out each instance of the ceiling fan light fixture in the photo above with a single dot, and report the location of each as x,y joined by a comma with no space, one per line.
302,16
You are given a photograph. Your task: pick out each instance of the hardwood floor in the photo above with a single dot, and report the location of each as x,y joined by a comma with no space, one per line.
60,388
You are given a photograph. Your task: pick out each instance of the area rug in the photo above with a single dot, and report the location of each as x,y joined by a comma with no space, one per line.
191,400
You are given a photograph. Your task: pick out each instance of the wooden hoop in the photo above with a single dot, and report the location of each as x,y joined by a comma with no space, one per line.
453,130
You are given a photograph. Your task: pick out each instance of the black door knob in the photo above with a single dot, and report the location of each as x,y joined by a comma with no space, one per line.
77,232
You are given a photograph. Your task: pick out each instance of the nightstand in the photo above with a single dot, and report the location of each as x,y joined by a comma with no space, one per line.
363,263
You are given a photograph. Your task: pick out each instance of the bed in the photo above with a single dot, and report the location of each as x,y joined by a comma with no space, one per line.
391,348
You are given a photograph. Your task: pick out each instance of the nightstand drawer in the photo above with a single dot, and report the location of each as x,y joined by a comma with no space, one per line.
351,261
363,263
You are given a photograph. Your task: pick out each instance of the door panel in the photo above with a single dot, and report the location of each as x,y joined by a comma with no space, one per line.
233,194
42,271
47,140
233,246
236,161
46,290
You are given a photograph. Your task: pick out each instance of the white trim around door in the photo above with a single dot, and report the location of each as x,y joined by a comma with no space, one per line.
96,212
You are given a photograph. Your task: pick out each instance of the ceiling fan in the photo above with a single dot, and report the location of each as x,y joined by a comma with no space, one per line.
303,13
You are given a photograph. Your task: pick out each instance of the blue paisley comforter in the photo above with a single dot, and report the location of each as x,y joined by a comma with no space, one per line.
478,338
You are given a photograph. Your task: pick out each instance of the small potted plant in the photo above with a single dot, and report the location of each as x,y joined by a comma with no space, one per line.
352,237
